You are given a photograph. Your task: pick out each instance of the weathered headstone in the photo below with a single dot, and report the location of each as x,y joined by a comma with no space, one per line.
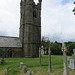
29,72
45,52
66,70
24,69
42,50
2,61
68,59
49,66
72,65
72,61
21,64
40,56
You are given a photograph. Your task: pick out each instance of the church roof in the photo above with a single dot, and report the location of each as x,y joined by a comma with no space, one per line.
10,42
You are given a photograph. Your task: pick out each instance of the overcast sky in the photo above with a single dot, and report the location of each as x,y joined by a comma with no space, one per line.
58,20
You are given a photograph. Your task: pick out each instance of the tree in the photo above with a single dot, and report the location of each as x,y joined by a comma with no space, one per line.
47,46
70,47
73,9
56,49
46,43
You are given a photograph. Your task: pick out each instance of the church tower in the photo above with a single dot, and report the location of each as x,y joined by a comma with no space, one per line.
30,27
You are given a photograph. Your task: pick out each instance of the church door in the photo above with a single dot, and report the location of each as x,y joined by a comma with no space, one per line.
9,53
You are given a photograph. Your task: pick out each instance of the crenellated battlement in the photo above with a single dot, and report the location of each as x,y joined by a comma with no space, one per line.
23,2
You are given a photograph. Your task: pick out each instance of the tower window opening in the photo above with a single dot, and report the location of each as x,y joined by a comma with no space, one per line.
21,15
34,14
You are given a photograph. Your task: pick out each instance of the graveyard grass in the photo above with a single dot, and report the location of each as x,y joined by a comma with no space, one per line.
32,64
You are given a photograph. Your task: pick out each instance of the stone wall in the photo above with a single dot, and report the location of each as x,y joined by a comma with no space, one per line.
10,52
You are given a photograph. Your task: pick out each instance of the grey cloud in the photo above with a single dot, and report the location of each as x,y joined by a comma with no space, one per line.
58,21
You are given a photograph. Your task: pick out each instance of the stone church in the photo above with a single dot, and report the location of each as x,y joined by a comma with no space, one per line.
28,42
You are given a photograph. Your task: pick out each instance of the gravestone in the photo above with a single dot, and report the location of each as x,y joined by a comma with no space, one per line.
21,64
66,70
72,61
72,65
40,56
45,52
42,51
73,55
24,69
29,73
49,66
2,61
68,59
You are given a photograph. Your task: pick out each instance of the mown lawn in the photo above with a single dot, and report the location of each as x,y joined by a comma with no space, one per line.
32,64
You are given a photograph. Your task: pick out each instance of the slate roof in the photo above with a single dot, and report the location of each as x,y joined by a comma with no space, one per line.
10,42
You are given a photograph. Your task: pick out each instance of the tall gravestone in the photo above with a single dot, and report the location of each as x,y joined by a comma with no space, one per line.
73,57
40,56
66,70
49,66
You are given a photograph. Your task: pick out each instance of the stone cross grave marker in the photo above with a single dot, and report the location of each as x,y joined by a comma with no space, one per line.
40,56
73,57
49,66
66,70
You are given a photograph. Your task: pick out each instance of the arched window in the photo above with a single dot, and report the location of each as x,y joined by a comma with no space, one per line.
9,53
